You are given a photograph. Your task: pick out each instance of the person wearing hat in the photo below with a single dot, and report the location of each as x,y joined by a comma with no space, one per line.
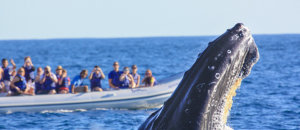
48,81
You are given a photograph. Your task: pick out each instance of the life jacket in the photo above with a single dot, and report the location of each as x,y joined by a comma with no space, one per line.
6,74
49,84
65,84
58,80
21,84
149,80
96,81
29,73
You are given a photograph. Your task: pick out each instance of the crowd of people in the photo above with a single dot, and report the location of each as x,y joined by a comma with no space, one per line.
26,81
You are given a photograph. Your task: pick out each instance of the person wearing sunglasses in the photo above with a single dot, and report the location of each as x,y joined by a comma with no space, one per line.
114,77
49,81
19,86
149,80
135,75
126,79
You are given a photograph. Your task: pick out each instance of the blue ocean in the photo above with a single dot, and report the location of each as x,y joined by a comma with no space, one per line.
268,99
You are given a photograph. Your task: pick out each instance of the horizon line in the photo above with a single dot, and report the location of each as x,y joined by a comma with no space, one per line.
134,37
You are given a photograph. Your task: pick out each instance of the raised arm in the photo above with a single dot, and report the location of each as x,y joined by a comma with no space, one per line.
13,63
102,74
91,75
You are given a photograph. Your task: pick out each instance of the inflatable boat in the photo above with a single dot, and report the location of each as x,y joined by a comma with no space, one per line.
137,98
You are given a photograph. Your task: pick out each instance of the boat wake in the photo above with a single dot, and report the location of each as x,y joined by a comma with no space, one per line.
63,111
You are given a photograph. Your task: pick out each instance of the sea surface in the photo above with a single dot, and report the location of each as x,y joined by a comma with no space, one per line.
268,99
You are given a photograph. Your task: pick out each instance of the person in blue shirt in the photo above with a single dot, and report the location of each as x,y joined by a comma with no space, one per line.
19,85
29,69
95,78
7,73
114,77
29,72
48,81
80,83
38,79
64,83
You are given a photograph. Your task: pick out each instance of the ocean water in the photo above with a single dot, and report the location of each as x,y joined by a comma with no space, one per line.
268,99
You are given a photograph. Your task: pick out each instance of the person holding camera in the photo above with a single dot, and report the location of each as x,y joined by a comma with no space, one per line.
29,69
126,79
95,77
48,81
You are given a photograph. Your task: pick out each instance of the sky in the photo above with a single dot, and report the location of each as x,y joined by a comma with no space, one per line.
48,19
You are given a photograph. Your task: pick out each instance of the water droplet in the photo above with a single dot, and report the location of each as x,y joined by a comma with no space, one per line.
219,54
217,75
211,67
228,51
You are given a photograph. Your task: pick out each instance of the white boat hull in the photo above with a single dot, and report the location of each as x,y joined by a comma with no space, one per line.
138,98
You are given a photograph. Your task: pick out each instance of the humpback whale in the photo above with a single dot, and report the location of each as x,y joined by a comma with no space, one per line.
203,98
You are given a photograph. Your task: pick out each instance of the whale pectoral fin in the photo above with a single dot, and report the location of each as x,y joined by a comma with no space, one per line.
251,58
